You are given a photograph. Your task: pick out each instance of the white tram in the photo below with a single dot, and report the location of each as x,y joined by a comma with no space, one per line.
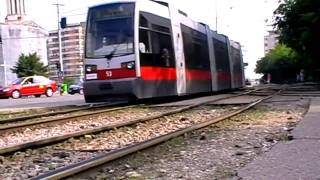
145,49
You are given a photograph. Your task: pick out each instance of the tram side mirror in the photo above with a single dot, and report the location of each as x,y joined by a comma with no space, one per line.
63,22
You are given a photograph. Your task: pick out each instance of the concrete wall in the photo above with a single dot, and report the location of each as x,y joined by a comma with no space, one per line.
2,70
18,39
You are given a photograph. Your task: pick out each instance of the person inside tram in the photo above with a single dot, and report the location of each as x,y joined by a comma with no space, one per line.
165,55
142,47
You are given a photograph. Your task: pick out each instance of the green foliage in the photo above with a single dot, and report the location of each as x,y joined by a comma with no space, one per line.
30,65
68,81
281,62
298,22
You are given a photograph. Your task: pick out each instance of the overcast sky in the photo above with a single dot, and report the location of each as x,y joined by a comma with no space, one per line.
241,20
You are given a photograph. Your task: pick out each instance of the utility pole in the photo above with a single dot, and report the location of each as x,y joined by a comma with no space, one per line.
216,15
60,71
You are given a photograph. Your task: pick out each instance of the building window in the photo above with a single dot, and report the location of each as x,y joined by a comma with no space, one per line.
70,38
53,34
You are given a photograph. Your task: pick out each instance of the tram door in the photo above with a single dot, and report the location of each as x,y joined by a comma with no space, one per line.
237,66
212,59
222,64
156,50
198,71
178,49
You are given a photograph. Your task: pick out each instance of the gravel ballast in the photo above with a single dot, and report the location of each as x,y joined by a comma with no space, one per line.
34,162
216,152
43,131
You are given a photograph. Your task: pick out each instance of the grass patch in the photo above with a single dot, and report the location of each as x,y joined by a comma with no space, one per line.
179,141
137,160
251,115
224,173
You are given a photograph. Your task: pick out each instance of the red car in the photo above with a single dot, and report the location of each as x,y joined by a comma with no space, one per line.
26,86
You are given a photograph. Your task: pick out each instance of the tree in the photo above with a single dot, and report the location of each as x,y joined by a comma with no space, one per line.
281,62
68,81
298,23
29,65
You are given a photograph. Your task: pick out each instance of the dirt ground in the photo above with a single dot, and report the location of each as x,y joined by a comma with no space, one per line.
216,152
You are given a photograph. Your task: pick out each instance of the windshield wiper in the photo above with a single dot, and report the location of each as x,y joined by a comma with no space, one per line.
111,55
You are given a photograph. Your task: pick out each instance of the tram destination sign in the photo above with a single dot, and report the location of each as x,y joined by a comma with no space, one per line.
114,11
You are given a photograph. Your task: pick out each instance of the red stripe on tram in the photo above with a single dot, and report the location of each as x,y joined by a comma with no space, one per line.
223,76
198,75
158,73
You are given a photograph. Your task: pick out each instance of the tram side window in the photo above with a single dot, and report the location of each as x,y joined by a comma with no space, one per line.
155,43
201,54
221,53
144,43
195,49
236,59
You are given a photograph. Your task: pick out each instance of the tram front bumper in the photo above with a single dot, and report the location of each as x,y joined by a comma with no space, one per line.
110,89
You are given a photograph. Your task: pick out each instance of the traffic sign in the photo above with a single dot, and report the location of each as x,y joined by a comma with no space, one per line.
60,73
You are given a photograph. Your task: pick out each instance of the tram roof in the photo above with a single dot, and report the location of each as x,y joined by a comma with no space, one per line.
112,2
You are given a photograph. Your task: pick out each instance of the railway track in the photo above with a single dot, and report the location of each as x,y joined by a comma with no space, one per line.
56,139
303,90
44,118
30,121
59,112
118,153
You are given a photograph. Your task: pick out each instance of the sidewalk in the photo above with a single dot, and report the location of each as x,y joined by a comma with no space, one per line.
295,160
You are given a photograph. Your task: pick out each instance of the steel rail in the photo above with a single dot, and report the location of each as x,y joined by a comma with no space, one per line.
66,118
76,168
56,139
37,122
22,118
26,117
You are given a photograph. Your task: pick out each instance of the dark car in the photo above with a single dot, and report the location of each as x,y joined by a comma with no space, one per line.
75,89
248,82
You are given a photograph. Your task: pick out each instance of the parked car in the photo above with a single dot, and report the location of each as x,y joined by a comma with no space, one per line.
248,82
75,88
27,86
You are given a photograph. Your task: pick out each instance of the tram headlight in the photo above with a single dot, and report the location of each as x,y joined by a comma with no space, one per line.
129,65
91,69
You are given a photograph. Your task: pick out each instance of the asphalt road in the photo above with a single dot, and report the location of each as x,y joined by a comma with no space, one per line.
43,101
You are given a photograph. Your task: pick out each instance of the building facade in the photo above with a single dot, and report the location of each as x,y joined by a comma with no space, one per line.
19,35
72,38
270,41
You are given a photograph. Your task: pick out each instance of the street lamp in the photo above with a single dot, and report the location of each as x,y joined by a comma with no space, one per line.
60,70
216,15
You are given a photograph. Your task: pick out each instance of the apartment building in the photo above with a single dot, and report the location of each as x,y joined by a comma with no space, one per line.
72,38
270,41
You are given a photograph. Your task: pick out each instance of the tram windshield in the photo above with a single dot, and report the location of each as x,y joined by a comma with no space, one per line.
110,31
